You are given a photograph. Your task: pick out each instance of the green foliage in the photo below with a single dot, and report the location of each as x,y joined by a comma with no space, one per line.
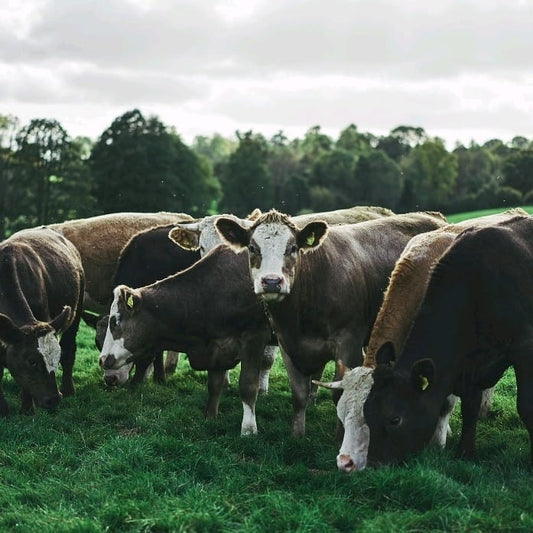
144,459
518,170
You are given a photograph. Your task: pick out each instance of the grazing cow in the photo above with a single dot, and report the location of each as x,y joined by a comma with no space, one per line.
207,311
474,322
100,240
401,302
322,304
41,294
148,257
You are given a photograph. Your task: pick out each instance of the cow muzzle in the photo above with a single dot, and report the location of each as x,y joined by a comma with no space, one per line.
345,463
271,284
107,361
51,401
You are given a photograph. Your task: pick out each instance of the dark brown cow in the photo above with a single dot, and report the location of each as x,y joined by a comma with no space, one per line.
207,311
41,294
147,257
322,304
474,322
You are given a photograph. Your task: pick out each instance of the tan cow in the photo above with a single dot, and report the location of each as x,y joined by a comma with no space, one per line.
100,240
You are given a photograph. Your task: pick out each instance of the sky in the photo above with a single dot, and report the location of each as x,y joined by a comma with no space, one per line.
462,70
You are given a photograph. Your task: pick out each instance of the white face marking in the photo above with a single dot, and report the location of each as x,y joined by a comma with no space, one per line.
49,348
272,240
111,345
117,376
249,424
354,449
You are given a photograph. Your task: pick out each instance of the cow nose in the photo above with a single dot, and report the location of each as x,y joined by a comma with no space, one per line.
271,283
345,463
49,402
111,381
107,361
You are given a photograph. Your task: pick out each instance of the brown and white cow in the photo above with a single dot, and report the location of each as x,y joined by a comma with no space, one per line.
207,311
99,241
474,322
41,294
402,300
322,304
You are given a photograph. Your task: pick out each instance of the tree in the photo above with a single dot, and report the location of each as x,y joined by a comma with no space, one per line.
352,141
518,170
431,172
139,164
401,140
8,133
246,181
378,180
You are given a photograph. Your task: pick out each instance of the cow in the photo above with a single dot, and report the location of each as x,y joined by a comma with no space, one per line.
147,257
99,241
402,300
322,304
41,295
474,323
208,311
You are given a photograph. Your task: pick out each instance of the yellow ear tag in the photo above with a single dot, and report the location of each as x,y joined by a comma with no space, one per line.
129,301
424,382
310,240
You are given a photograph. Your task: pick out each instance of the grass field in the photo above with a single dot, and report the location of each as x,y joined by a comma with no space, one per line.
145,459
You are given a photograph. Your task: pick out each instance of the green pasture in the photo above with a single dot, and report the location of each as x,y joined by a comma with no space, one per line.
145,459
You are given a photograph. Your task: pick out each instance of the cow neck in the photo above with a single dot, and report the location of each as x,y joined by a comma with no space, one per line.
13,301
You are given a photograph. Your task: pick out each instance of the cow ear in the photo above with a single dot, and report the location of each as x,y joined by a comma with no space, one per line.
62,321
422,374
9,333
131,299
186,235
255,214
386,355
341,369
233,233
312,235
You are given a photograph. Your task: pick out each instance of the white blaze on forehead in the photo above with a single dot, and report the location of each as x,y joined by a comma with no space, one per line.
272,240
356,384
111,345
49,348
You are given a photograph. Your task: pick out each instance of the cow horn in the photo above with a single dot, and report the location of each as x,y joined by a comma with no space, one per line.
330,385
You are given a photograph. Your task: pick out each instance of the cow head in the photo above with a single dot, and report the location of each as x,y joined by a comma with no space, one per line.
202,234
274,244
356,385
33,353
400,412
126,338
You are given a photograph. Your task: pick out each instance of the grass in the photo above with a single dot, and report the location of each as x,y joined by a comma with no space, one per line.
144,459
459,217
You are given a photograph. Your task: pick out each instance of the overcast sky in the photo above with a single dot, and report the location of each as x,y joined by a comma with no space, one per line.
461,69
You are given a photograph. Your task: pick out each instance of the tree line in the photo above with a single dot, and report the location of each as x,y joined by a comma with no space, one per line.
140,164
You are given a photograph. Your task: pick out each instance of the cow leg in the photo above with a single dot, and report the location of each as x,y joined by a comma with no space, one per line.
159,368
470,403
443,427
141,370
27,407
486,403
524,399
269,356
4,408
171,362
300,387
215,384
68,354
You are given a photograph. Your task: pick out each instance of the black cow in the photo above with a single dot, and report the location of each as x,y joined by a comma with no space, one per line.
147,257
41,296
475,321
323,285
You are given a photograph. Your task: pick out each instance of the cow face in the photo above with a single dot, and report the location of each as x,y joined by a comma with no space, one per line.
356,385
126,338
400,412
274,244
32,355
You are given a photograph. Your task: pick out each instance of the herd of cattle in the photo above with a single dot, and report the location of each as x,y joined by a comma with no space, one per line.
416,313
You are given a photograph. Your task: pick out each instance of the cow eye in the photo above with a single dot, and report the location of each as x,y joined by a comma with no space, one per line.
293,249
395,421
253,249
113,321
32,363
